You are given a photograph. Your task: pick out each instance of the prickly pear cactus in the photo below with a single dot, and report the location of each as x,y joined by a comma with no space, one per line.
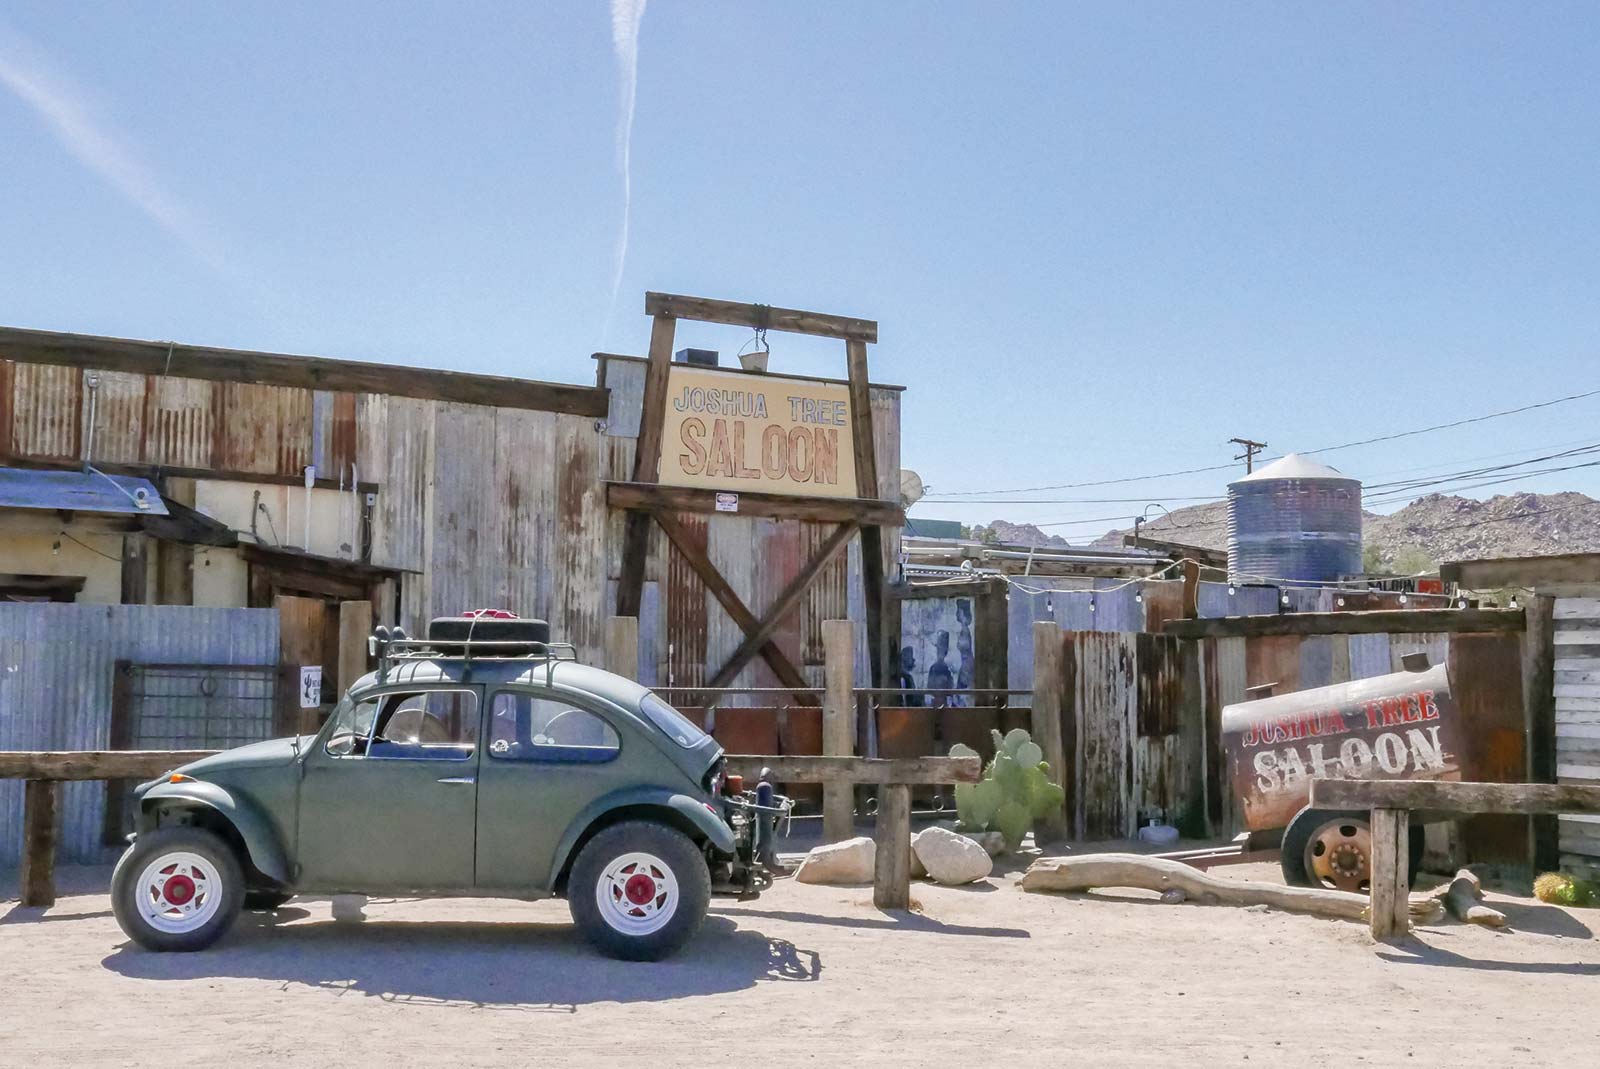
1015,790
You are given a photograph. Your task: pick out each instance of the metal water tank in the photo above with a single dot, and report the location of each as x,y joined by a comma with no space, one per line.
1294,519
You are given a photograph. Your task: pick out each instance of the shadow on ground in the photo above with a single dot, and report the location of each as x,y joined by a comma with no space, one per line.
898,919
1416,952
530,967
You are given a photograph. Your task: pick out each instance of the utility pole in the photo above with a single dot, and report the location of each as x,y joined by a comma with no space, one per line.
1251,448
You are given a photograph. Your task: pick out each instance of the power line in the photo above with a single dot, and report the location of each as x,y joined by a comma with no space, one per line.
1378,493
1307,452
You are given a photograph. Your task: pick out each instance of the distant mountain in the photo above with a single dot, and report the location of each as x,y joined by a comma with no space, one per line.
1431,529
1017,534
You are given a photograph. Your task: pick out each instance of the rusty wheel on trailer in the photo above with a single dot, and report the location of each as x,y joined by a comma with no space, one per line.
1332,848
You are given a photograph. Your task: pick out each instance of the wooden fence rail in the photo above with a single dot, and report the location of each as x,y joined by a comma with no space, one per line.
891,879
44,771
1393,801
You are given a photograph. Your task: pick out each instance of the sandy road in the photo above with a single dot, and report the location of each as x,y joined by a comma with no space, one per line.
805,974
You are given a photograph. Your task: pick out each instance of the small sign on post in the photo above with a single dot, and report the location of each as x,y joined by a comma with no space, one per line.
727,502
310,686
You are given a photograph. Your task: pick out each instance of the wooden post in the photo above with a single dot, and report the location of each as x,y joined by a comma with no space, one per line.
1046,718
622,646
39,842
1391,880
1191,590
838,729
646,463
891,879
135,569
1539,721
355,627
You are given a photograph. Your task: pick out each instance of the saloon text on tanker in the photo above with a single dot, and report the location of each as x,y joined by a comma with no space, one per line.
1407,750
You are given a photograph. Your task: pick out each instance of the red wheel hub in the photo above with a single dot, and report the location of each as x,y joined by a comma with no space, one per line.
639,888
178,889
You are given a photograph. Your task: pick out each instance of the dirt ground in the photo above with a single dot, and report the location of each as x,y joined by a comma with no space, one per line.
982,975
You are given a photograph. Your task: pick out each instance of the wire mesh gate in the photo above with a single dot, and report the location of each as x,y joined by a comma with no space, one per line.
185,707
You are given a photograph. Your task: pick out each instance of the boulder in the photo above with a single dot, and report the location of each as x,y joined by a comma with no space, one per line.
993,843
951,858
849,862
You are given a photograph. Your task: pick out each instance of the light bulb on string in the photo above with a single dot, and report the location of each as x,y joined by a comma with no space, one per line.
1231,590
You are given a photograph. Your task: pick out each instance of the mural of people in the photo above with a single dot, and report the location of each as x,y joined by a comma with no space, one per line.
930,627
905,679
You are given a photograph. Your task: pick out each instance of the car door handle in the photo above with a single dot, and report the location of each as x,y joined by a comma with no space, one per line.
458,779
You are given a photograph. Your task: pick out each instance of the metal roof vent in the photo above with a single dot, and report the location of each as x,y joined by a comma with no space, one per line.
697,357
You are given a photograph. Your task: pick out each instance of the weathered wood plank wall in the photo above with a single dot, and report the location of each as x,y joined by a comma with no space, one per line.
1577,714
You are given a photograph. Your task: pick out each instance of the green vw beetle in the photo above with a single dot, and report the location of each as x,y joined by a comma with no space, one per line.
482,761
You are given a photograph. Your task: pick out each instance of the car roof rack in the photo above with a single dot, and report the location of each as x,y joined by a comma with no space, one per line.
392,646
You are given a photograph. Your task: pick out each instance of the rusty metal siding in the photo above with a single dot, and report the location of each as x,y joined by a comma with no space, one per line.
686,604
462,559
119,404
56,664
180,421
333,435
625,380
525,461
580,558
396,447
47,414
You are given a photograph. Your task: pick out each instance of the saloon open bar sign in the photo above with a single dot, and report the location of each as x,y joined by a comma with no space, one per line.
730,430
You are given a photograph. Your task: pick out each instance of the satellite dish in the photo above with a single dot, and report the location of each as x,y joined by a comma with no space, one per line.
911,489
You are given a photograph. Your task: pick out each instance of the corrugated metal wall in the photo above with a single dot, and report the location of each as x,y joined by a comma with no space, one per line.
56,664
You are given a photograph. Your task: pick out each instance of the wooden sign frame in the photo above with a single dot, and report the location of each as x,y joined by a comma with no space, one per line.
647,501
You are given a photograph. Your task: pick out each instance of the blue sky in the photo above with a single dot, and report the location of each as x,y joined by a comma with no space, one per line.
1099,241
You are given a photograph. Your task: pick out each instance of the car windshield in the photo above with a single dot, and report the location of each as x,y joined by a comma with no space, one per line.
679,728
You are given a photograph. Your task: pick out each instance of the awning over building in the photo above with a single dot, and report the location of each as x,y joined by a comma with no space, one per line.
79,491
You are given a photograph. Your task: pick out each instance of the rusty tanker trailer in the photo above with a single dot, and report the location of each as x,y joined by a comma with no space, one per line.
1400,726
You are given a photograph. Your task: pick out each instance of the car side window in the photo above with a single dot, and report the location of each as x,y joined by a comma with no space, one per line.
525,728
432,725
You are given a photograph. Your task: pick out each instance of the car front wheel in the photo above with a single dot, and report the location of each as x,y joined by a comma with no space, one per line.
177,888
639,891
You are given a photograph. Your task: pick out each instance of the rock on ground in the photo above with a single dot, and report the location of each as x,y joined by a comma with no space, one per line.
950,857
847,862
993,843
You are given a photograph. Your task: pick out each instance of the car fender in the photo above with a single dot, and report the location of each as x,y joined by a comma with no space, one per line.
259,839
709,824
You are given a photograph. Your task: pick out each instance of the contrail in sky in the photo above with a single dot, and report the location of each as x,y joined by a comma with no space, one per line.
625,18
67,116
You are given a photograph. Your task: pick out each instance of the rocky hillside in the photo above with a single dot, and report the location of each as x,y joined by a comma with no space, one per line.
1431,529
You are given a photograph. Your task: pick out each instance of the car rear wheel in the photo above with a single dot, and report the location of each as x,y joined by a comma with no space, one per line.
639,891
177,888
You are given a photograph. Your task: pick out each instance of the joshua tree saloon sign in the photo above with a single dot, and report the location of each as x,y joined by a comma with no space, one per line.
734,431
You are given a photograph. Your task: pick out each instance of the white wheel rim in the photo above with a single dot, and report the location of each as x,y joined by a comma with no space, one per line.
637,893
178,892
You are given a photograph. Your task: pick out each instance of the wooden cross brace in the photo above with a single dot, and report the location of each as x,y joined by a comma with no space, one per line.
758,632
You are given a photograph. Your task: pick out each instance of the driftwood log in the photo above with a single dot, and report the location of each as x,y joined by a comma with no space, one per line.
1463,898
1160,874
